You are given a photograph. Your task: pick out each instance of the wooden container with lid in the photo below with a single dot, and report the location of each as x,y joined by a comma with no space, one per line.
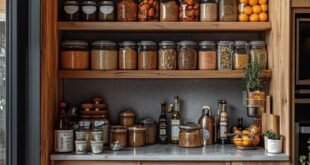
127,118
136,136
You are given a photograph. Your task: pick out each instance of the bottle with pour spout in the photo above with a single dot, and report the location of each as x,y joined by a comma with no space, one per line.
206,122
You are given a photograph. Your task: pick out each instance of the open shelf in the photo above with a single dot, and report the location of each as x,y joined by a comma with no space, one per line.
153,74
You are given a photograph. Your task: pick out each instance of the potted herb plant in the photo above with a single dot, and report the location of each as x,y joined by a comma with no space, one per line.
265,135
274,142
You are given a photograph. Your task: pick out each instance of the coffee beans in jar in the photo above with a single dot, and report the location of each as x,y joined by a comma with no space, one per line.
225,53
74,55
187,55
207,55
89,11
147,57
136,136
104,55
190,136
148,10
241,55
118,134
167,56
106,10
71,10
188,10
208,10
128,55
169,11
228,10
127,10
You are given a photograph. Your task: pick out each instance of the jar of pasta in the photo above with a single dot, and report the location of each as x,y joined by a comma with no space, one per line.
104,55
128,55
225,55
136,136
241,55
187,55
167,56
127,10
74,55
148,10
118,134
207,55
89,10
71,10
169,11
147,57
258,52
189,10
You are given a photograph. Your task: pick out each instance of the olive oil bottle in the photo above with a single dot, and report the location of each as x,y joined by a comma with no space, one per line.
175,121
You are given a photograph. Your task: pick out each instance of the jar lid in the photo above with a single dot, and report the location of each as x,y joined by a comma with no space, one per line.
190,126
167,43
224,43
127,43
222,101
89,3
100,122
147,43
240,43
127,113
136,128
258,43
208,1
74,43
207,43
185,43
71,3
106,2
148,121
118,128
103,43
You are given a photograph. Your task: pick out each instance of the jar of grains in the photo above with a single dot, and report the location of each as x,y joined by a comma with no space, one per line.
104,55
190,136
228,10
225,58
167,56
127,55
127,10
74,55
71,10
89,11
147,58
127,118
136,136
189,10
150,126
106,10
187,55
169,11
207,55
258,53
148,10
208,10
118,134
241,55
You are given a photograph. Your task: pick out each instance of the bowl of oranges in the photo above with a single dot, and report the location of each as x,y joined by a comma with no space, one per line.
253,11
246,139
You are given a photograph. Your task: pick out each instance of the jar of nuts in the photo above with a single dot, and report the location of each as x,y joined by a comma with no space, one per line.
189,10
127,55
187,55
148,10
127,10
104,55
225,55
167,56
241,55
147,58
74,55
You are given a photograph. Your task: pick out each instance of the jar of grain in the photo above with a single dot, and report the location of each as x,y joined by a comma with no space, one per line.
169,11
167,56
241,55
71,10
127,118
118,134
148,10
136,136
128,55
190,136
74,55
89,10
104,55
147,58
150,127
187,55
208,10
228,10
189,10
127,10
258,52
207,55
225,55
106,10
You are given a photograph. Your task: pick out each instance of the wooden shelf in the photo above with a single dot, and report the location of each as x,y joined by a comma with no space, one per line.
153,74
164,26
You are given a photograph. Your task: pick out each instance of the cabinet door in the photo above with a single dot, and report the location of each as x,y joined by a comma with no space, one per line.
92,162
260,163
185,163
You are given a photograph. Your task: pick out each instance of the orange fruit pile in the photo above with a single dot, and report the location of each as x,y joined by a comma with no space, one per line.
248,137
253,10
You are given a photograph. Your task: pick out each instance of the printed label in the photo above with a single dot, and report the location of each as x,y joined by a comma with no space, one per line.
106,9
89,9
71,9
223,130
206,134
63,140
175,130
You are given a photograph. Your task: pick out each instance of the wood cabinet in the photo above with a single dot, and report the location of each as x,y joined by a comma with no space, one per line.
260,163
300,3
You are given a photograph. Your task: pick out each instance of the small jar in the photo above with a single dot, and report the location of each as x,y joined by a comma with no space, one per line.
74,55
80,146
190,136
96,134
150,128
96,147
106,11
189,10
225,55
148,10
89,11
104,55
208,10
241,55
104,126
136,136
71,10
259,53
127,118
127,10
147,58
228,10
169,11
187,55
118,134
128,56
80,134
207,55
167,56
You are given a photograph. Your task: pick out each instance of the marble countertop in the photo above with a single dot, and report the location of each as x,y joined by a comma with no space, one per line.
171,152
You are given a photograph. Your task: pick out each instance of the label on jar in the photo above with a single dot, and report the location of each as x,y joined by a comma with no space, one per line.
71,9
206,134
223,130
89,9
175,130
106,9
63,141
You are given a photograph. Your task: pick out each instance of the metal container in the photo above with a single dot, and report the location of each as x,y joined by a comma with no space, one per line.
206,122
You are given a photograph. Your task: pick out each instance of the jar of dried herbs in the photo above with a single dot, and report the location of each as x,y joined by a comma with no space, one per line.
127,10
241,55
207,55
208,10
71,10
228,10
128,55
169,11
106,11
258,52
89,10
187,55
167,56
225,55
147,57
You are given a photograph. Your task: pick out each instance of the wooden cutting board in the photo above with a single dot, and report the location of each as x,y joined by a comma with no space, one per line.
270,121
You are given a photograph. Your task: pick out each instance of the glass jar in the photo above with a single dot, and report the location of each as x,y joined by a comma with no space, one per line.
207,55
228,10
150,127
104,55
147,58
71,10
241,55
127,10
127,118
189,10
169,11
74,55
127,55
225,55
104,125
258,53
208,10
136,136
89,11
118,134
148,10
190,136
106,11
167,56
187,55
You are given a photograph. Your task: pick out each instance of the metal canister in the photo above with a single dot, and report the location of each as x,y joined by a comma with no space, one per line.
103,124
206,122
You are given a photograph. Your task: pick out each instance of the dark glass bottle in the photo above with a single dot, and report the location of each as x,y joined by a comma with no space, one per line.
163,125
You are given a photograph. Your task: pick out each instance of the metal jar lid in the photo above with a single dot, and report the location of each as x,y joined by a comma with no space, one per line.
207,43
167,43
240,43
93,3
224,43
190,126
258,43
148,121
73,3
103,43
127,113
74,43
106,2
187,43
127,43
147,43
136,128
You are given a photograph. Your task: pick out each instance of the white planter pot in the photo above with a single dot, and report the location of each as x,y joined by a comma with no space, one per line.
274,146
266,142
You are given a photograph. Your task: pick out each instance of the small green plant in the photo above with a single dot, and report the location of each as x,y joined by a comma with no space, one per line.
272,135
252,80
303,160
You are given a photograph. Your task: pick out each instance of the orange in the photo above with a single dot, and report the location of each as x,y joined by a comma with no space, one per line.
237,140
263,17
247,141
253,2
264,7
246,132
254,18
248,10
243,18
257,9
244,1
262,2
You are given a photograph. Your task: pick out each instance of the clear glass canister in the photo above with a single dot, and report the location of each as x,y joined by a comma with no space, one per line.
71,10
128,55
169,11
228,10
150,126
104,55
225,55
74,55
189,10
148,10
190,136
147,58
127,10
208,10
259,52
136,136
241,55
207,55
106,10
167,55
187,55
118,134
89,11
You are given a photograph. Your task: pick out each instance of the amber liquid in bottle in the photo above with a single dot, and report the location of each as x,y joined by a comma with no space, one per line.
175,121
163,125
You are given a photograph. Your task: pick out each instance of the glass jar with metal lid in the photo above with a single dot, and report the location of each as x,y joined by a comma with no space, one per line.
187,55
71,10
106,10
118,134
167,56
150,128
147,57
104,55
241,55
258,52
169,11
208,10
190,136
89,10
207,55
74,55
136,136
127,118
225,55
128,55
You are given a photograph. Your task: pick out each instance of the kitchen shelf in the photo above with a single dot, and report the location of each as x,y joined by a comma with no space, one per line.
164,26
302,101
153,74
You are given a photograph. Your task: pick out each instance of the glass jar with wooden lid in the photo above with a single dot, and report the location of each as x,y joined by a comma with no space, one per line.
118,134
128,55
241,55
127,118
104,55
190,136
147,57
136,136
74,55
150,130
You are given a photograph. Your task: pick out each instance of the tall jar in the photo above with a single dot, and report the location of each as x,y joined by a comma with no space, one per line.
167,56
136,136
118,134
106,10
89,10
74,55
148,10
259,52
228,10
207,55
225,55
208,10
189,10
187,55
150,128
147,57
71,10
127,10
169,11
241,55
128,56
104,55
